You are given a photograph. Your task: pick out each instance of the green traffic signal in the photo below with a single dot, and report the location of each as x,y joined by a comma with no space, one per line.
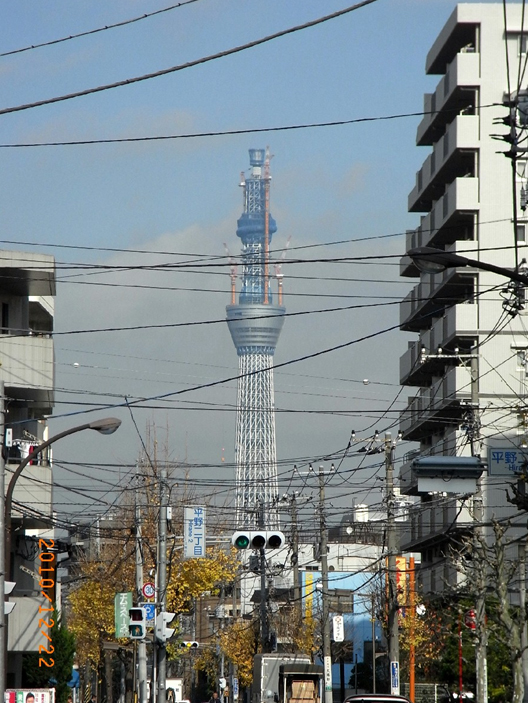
136,631
242,542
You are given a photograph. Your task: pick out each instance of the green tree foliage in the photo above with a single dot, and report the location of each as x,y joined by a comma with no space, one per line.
35,676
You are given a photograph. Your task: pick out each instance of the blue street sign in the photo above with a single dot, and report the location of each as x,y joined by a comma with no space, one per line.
395,678
150,610
506,460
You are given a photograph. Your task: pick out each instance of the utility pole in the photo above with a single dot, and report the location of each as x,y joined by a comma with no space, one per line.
481,632
392,548
162,581
327,651
373,621
295,558
264,619
141,645
3,642
522,608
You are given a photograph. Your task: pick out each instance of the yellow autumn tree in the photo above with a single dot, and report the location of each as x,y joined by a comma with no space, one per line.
238,642
191,578
91,604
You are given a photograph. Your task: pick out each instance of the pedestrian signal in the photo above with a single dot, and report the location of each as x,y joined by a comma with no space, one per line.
137,626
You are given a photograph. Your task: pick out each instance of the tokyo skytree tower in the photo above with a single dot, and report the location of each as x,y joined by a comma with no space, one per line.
255,323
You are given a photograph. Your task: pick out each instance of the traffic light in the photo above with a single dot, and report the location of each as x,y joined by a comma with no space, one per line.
188,645
8,587
137,626
261,539
164,633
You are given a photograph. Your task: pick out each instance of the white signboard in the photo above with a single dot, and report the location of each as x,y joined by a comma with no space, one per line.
339,628
194,533
328,673
506,460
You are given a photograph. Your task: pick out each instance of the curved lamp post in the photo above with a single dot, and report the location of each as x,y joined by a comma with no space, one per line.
431,260
107,425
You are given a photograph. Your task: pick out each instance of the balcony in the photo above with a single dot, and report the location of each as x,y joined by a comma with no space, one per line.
435,578
456,92
33,488
432,295
456,328
429,522
27,274
437,407
452,157
27,367
452,218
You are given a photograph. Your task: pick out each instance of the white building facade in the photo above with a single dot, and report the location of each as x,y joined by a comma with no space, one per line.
466,366
27,291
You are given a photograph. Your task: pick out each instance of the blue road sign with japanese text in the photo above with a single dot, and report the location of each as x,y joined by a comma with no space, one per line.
506,460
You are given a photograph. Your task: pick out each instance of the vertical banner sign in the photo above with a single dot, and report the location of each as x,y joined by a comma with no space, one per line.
308,594
122,604
401,586
339,628
328,673
395,678
193,533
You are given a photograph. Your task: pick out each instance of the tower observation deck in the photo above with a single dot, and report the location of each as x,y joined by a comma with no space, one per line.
255,323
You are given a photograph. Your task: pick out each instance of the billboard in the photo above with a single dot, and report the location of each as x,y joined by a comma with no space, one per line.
34,695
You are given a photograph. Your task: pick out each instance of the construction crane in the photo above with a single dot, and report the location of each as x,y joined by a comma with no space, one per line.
278,269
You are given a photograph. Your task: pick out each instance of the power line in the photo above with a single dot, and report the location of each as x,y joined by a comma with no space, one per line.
189,64
95,31
223,133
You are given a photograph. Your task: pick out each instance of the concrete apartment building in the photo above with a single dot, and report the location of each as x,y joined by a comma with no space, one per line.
463,192
27,290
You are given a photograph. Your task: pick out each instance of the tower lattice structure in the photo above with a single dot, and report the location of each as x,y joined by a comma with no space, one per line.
255,323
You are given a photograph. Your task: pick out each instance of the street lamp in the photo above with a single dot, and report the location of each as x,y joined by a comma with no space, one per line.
107,425
431,260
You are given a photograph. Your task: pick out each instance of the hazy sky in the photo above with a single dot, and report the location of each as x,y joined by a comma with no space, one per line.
179,199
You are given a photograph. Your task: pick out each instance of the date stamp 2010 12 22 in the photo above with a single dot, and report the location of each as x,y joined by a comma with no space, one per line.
47,582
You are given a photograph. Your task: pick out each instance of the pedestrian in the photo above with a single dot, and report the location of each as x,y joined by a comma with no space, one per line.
214,698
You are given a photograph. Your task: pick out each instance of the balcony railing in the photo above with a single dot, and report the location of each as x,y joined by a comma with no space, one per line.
462,72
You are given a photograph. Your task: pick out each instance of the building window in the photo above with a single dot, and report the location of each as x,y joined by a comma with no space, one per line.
522,43
5,318
520,233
